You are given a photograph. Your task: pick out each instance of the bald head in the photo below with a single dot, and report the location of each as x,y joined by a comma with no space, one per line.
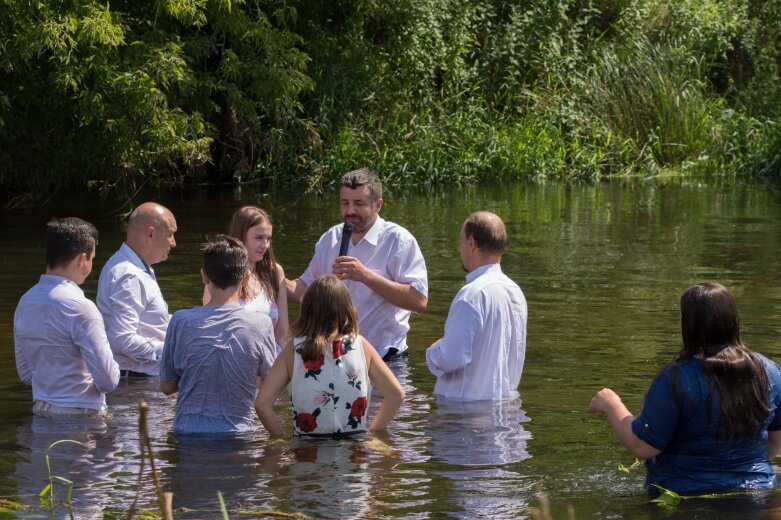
150,232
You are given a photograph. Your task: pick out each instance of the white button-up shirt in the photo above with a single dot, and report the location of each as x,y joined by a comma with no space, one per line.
61,347
481,354
134,311
390,251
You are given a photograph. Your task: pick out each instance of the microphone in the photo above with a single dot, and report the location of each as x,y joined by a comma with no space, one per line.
347,231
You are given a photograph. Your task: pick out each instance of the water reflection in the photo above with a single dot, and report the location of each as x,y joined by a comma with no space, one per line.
92,465
482,442
602,267
196,467
479,433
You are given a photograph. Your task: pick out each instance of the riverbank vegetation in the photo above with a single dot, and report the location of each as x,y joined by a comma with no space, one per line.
158,92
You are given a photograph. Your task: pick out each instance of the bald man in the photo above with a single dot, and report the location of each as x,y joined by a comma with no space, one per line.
134,311
481,355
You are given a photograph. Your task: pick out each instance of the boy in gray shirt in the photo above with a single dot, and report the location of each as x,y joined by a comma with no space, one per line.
216,356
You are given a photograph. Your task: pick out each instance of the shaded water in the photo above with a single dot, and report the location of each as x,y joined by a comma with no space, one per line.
602,267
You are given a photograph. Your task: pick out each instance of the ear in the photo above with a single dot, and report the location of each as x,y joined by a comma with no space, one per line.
379,204
204,278
245,280
81,259
470,242
150,232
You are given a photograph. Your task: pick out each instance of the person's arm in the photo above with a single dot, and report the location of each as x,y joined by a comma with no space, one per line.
606,401
169,387
22,365
126,305
281,328
89,335
169,377
454,350
773,443
278,378
401,295
295,289
383,379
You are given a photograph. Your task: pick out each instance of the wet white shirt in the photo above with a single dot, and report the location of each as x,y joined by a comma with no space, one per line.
481,354
390,251
134,311
61,347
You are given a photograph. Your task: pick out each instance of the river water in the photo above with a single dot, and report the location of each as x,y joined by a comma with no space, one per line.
602,267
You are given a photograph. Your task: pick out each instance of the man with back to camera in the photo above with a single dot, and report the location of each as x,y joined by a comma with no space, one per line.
481,355
216,356
383,269
133,308
60,344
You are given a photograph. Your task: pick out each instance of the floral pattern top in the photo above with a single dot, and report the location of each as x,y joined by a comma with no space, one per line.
330,394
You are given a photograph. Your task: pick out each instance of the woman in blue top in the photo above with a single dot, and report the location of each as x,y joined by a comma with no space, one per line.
709,422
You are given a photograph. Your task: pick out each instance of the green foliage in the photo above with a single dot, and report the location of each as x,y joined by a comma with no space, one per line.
430,91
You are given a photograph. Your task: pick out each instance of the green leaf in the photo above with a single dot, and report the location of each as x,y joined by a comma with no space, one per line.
666,498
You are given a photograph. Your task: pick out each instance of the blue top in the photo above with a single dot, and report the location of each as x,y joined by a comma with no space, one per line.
216,354
693,459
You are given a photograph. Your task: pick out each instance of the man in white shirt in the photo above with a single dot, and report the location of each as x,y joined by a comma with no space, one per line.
481,354
60,344
383,268
133,308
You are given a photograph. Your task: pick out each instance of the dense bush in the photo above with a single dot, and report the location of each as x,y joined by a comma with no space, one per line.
429,91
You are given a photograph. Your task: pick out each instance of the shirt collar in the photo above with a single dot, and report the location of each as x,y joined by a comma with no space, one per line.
373,235
136,260
53,279
480,271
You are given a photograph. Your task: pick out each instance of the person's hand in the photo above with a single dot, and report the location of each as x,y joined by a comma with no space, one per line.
605,398
350,268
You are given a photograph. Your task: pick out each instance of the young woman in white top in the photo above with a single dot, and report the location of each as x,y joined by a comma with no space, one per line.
330,368
265,292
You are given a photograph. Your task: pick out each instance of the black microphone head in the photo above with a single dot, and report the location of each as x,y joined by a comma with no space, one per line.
347,230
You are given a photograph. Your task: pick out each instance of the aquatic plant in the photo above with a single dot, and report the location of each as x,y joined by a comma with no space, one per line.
47,496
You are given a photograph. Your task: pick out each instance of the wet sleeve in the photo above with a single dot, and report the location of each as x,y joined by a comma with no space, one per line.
774,380
658,418
454,350
89,336
127,304
168,370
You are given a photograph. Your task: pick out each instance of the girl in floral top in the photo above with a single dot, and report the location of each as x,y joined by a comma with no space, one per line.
330,368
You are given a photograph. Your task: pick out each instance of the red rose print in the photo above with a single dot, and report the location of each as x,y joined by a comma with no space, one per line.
306,422
358,408
337,344
314,365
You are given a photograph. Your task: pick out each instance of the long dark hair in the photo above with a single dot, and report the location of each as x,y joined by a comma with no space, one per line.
265,269
326,311
710,326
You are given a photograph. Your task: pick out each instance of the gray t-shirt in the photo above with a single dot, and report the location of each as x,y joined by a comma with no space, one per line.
216,353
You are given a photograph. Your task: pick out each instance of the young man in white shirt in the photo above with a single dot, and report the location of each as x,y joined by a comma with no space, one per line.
60,344
383,268
481,355
132,305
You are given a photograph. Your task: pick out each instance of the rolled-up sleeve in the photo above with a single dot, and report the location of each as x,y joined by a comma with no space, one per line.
409,267
658,418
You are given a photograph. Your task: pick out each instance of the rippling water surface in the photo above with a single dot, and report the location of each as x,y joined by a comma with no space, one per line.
602,267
